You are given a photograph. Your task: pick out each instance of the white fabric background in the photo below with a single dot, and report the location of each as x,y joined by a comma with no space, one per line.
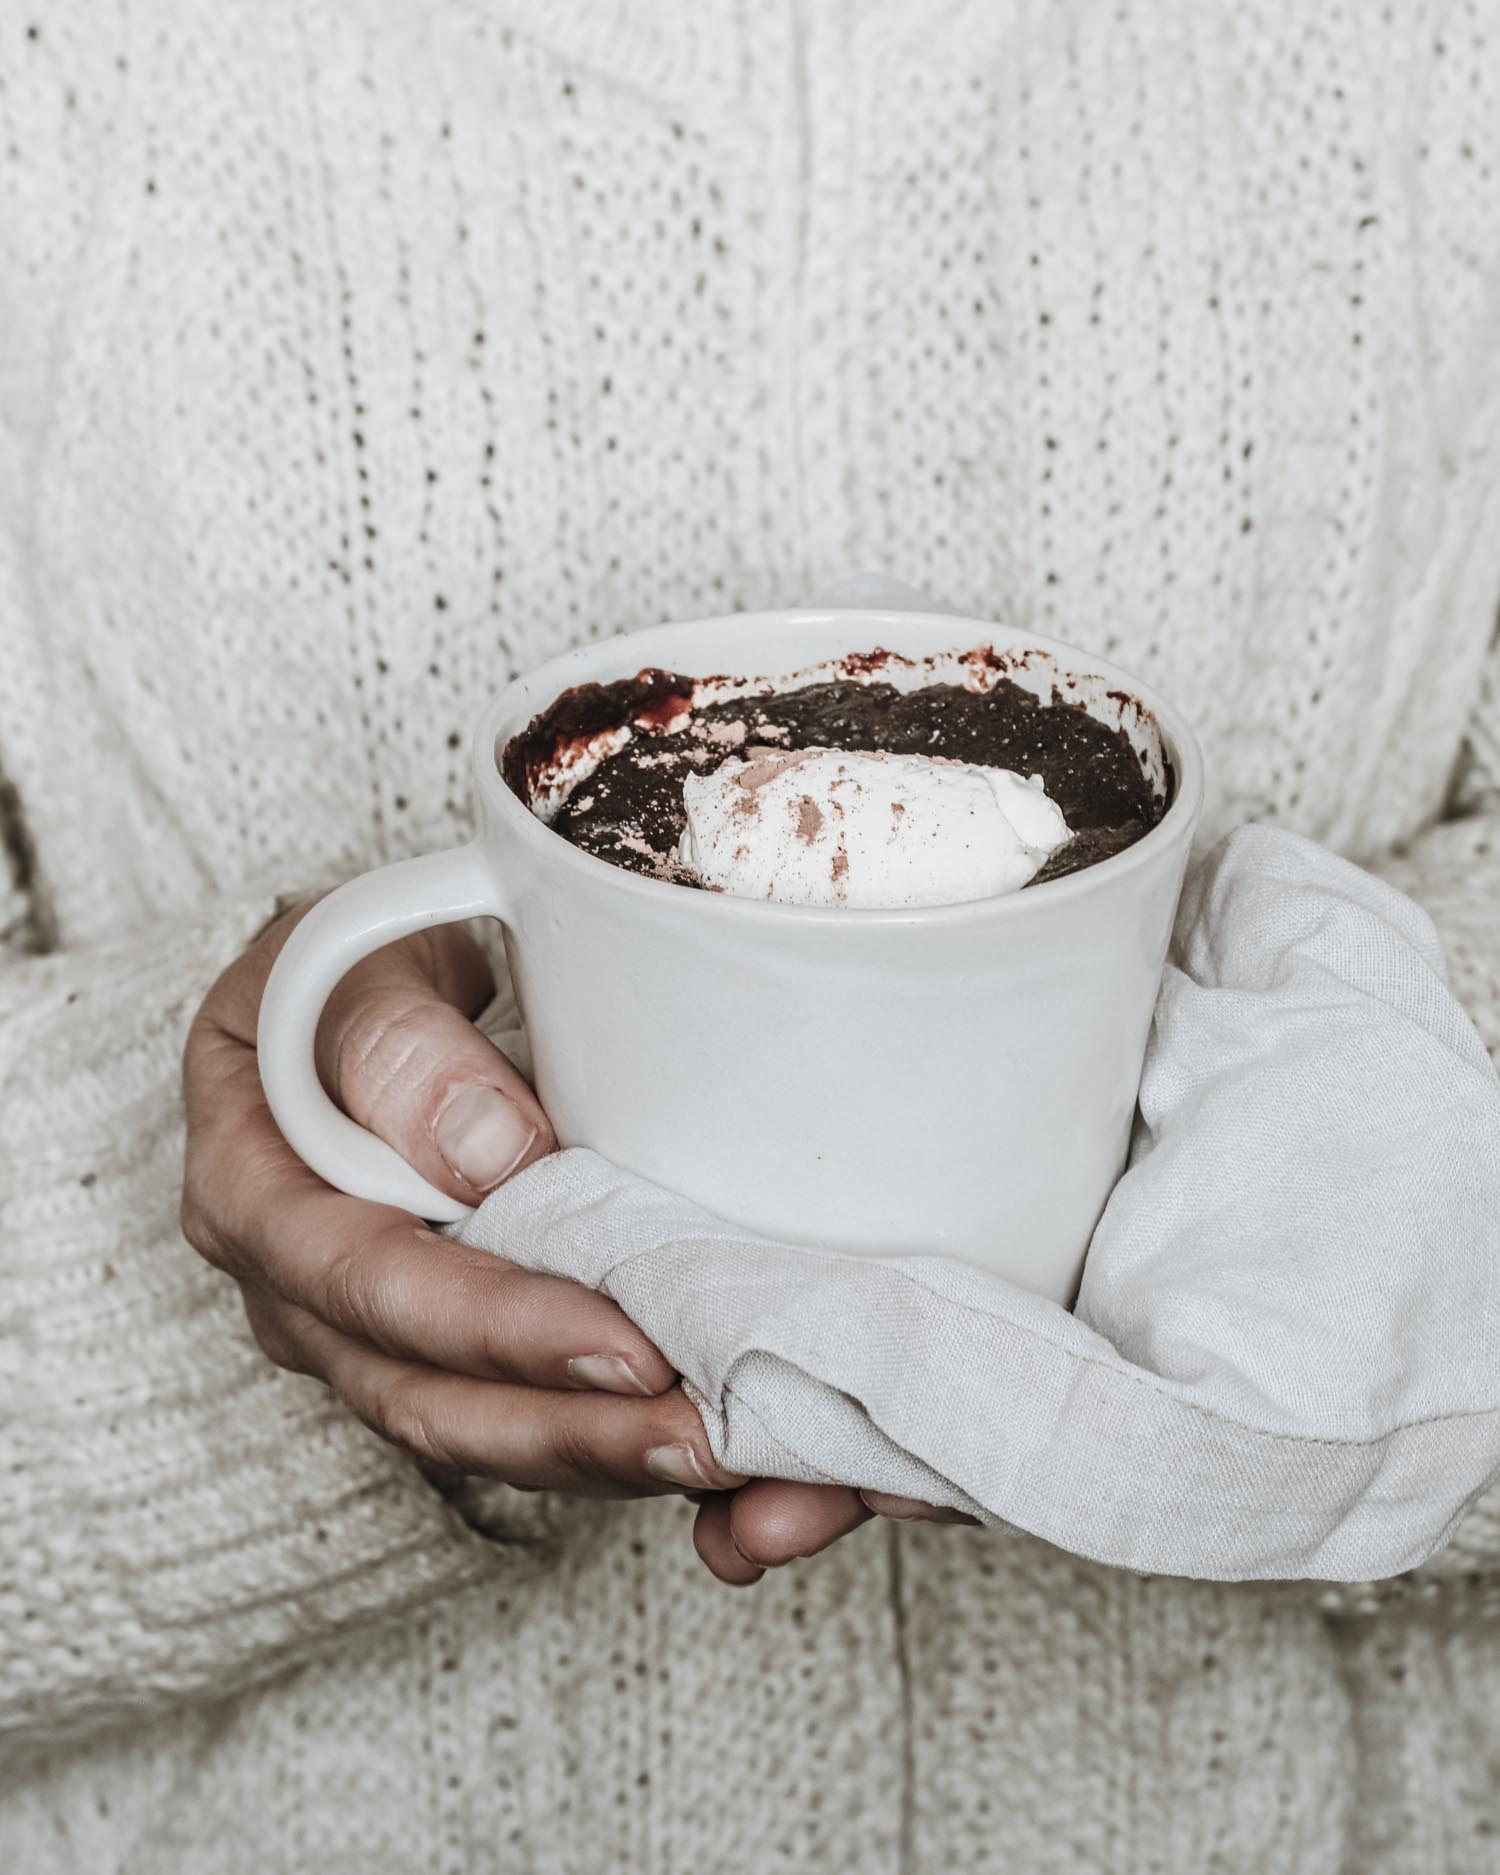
1285,1359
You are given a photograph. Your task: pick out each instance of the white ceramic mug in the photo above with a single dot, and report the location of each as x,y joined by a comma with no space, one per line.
958,1079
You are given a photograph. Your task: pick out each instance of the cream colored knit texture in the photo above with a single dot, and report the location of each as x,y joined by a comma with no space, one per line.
357,353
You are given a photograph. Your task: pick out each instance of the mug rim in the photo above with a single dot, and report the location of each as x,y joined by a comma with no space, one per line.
1176,824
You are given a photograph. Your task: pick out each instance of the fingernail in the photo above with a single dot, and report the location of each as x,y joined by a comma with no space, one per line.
679,1465
913,1510
607,1373
483,1136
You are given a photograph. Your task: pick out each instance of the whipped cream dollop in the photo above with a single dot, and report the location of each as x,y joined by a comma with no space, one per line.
863,829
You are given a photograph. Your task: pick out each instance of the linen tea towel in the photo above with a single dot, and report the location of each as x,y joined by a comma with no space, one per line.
1285,1356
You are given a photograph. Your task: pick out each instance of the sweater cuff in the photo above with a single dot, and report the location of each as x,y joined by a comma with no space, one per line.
182,1517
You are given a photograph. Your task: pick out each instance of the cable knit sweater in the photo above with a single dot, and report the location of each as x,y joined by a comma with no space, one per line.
354,355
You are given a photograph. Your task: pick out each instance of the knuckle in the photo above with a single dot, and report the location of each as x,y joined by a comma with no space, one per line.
347,1291
271,1337
202,1231
192,1046
192,1221
222,1007
575,1449
500,1329
380,1042
493,1351
401,1413
363,1289
205,1019
201,1050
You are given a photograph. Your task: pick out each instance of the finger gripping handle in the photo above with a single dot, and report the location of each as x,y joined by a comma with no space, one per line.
360,917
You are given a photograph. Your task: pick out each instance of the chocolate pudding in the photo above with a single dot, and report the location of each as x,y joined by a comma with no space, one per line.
634,744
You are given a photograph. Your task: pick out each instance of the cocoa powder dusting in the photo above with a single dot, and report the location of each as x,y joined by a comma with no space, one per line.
763,765
809,819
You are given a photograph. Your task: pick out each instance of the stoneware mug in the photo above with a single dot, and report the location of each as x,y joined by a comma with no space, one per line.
959,1079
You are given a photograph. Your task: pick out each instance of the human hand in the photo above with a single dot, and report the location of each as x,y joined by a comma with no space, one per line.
462,1360
773,1521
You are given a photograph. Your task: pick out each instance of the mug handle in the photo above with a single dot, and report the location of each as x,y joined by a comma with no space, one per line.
360,917
375,910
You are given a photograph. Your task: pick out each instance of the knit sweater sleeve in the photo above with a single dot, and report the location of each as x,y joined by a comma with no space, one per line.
177,1517
1453,871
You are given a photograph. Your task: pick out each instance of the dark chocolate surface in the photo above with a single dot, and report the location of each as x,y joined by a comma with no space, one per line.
629,811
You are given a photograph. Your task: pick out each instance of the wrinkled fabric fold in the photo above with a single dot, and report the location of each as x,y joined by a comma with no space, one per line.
1285,1357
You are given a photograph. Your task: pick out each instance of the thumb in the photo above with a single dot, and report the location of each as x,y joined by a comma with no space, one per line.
399,1052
